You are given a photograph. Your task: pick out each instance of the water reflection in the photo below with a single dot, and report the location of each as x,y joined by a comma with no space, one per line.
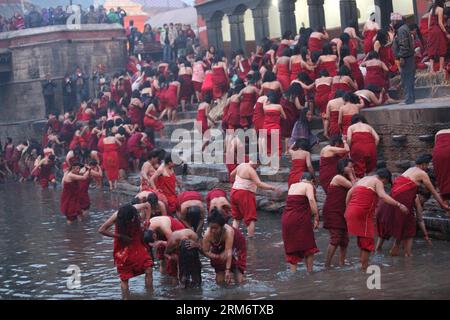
36,247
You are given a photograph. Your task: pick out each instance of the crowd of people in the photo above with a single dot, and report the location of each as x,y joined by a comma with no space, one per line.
35,18
277,89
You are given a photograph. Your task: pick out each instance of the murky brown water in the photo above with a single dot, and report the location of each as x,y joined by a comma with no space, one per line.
36,247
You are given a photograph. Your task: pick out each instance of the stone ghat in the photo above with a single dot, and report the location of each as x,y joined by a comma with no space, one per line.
204,177
407,131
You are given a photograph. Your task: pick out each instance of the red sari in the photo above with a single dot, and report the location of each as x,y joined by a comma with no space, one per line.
246,66
359,216
246,109
391,221
423,26
156,125
334,124
315,44
376,76
437,40
297,168
363,152
187,88
346,123
239,257
70,202
292,114
327,171
171,265
283,75
85,201
272,125
368,40
131,259
46,174
357,75
322,97
330,66
296,68
202,120
339,86
233,115
171,96
111,161
167,185
220,82
297,229
441,163
258,117
333,216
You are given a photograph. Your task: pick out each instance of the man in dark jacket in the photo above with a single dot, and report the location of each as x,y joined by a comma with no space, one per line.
403,47
68,92
48,90
34,18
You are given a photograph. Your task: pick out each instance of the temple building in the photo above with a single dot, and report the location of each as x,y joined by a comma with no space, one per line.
240,23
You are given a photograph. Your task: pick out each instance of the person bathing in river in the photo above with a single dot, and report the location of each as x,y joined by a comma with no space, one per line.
226,247
130,253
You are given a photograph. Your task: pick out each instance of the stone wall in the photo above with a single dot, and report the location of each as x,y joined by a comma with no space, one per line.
55,50
408,131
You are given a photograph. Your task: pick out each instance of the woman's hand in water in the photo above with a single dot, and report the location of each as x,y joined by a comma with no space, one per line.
228,277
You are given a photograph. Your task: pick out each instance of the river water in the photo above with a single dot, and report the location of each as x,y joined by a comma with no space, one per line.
37,247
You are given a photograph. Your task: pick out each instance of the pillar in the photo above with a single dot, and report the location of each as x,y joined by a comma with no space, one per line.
287,16
214,31
316,14
349,12
384,9
261,23
237,32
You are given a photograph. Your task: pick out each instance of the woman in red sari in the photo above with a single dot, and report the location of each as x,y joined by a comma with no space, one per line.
165,181
301,161
70,196
327,61
226,247
437,35
376,74
363,141
131,256
317,38
270,83
172,98
258,114
350,62
273,112
186,86
296,226
201,121
333,212
384,49
370,31
441,162
351,107
242,65
329,158
331,119
151,119
111,159
248,97
136,109
219,77
281,69
343,82
292,102
323,90
361,201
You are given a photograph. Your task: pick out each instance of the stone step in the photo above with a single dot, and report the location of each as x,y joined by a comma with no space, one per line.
198,183
187,115
169,128
424,92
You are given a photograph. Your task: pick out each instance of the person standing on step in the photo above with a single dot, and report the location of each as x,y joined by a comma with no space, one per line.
403,47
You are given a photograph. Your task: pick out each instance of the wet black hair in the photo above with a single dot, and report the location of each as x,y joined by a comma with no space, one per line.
51,157
135,200
335,140
304,77
339,93
168,158
269,76
302,144
118,122
126,215
273,97
326,50
148,236
121,131
424,159
307,176
207,98
351,97
382,37
287,52
215,216
136,94
344,71
193,216
153,154
358,118
373,55
384,174
342,164
152,199
373,88
324,73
